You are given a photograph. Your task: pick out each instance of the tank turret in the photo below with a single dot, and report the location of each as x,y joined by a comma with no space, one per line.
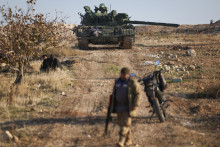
102,17
101,27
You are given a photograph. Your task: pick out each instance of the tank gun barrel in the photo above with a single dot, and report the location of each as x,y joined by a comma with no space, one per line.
152,23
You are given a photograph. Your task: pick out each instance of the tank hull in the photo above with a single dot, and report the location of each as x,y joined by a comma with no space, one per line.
104,40
106,34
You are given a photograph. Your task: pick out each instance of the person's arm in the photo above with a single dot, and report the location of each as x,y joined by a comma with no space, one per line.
113,97
43,66
137,95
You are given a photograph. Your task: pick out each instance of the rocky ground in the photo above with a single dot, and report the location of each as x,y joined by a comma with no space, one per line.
76,117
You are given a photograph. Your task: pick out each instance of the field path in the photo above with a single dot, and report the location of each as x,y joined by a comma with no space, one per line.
81,115
79,119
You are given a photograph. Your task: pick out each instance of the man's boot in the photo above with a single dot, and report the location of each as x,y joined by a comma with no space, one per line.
121,142
128,140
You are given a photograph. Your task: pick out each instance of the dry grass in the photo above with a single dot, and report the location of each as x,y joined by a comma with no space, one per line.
38,93
203,81
210,88
43,90
171,39
61,51
34,87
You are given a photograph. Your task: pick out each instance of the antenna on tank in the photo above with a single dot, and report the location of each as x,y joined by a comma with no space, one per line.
110,7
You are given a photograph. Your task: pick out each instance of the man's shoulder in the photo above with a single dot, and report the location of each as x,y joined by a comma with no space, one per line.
132,79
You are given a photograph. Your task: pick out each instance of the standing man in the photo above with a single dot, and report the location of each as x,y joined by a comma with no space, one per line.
125,102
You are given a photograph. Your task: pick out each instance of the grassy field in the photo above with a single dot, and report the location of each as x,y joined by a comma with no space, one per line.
61,108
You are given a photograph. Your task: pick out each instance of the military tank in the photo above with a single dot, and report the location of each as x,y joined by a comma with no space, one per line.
100,27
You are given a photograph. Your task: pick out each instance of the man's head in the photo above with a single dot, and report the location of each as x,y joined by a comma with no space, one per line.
103,8
87,9
44,57
125,74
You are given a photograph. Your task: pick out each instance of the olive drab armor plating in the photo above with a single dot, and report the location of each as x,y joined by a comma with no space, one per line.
101,27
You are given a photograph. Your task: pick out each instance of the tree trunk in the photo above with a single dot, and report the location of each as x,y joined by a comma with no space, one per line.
19,74
15,84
